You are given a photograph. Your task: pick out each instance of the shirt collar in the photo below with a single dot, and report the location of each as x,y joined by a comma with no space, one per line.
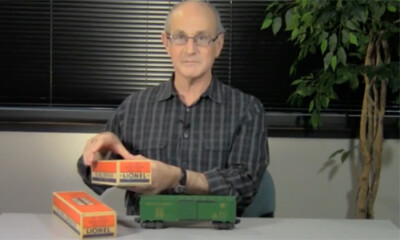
214,91
167,90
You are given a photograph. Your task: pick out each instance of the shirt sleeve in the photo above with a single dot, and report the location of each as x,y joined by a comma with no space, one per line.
247,160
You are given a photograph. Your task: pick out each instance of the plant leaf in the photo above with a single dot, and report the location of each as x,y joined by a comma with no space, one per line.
276,25
345,37
378,10
351,25
306,17
391,8
305,90
360,14
334,63
341,54
288,19
311,106
336,153
297,81
324,35
353,82
267,22
312,49
295,33
332,42
315,119
292,69
353,39
295,20
327,60
304,3
324,45
345,155
325,101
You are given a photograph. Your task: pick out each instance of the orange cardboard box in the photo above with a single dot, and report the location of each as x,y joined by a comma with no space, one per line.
84,215
122,172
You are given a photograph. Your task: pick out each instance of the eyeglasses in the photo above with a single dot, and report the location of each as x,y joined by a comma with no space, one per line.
200,40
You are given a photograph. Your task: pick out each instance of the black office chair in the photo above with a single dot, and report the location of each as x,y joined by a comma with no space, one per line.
263,204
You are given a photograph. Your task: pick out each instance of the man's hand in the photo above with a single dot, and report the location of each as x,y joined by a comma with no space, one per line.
163,176
102,143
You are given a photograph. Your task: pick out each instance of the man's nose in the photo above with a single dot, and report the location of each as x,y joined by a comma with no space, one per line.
191,46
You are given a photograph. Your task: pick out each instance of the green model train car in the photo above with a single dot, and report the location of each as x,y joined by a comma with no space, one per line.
155,210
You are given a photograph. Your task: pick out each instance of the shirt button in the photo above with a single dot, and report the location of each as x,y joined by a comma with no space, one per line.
187,109
186,134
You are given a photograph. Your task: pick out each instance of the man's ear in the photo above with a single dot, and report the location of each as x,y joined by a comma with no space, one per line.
219,45
165,41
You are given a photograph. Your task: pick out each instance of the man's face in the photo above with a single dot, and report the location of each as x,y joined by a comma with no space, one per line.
191,60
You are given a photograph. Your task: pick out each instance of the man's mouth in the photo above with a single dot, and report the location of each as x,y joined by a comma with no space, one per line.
189,61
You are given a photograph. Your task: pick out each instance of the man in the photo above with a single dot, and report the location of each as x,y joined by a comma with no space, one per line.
201,136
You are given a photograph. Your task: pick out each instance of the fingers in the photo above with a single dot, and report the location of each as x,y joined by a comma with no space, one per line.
88,158
138,157
121,150
89,153
103,142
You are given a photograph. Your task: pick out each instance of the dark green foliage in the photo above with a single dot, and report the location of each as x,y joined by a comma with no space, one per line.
341,31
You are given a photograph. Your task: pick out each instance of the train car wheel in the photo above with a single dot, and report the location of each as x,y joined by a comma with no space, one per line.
151,224
145,224
230,225
223,225
158,225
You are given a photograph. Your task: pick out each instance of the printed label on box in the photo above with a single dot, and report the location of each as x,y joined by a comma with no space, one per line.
104,171
139,172
121,172
84,215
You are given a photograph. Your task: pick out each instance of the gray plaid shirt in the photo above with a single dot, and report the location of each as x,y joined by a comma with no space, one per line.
223,135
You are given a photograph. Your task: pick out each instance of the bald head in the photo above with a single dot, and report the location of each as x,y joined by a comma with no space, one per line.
194,6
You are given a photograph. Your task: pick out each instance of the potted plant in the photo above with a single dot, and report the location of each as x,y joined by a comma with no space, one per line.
353,41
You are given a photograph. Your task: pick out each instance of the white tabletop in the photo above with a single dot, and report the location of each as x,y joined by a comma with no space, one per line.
45,226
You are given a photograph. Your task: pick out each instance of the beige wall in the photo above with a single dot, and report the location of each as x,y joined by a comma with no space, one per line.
34,164
308,185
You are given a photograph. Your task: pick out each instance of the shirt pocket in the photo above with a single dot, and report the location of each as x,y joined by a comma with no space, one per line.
155,149
216,151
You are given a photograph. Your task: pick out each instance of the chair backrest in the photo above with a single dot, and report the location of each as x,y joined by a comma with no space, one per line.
263,204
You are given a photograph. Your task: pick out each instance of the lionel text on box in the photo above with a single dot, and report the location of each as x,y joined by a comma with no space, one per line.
84,215
121,172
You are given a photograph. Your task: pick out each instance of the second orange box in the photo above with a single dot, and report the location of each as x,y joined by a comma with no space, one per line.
121,172
84,215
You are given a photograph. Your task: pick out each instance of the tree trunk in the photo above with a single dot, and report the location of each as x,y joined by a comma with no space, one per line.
371,129
378,140
363,180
